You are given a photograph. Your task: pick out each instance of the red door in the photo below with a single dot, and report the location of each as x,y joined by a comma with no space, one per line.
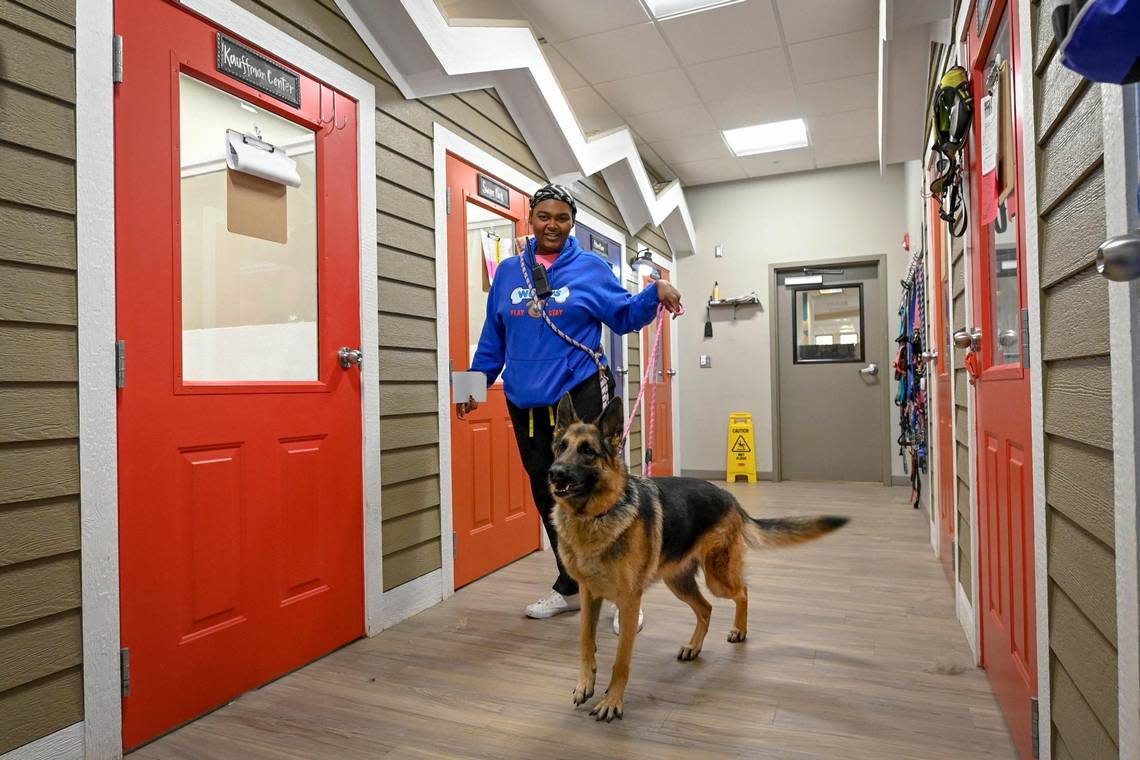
240,500
494,516
945,486
1006,604
662,389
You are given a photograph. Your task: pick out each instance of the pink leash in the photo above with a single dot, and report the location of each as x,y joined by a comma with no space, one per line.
650,368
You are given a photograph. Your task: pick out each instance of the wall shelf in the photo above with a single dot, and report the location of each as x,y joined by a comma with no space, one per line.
735,303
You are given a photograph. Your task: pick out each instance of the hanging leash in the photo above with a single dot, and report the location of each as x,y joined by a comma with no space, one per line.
650,368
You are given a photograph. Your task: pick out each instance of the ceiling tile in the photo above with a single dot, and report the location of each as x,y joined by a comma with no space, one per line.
836,95
840,152
563,71
649,92
811,19
762,71
689,149
558,20
619,54
672,123
723,32
594,114
754,109
848,125
845,55
763,164
715,170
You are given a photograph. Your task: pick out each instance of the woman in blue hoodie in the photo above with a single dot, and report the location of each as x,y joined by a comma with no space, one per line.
542,366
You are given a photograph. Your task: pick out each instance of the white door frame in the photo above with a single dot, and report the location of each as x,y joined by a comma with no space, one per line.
1120,175
98,454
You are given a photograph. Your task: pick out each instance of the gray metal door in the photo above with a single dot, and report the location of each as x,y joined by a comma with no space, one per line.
832,369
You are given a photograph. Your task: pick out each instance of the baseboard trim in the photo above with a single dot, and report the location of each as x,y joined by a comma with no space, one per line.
900,480
719,475
411,598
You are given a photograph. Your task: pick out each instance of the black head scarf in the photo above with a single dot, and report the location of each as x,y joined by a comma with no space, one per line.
554,193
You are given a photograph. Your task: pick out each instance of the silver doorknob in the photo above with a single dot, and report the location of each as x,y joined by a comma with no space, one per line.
1007,338
671,372
350,356
621,371
1118,258
929,356
969,339
870,369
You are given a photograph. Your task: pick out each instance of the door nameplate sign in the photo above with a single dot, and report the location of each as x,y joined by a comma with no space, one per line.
251,67
491,190
599,246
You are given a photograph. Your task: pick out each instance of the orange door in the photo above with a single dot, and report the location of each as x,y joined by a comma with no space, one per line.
240,502
945,486
662,390
1006,599
494,516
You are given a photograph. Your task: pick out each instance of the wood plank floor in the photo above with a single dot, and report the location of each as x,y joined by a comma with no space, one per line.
853,652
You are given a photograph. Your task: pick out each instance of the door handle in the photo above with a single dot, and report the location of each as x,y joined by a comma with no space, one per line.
969,339
871,369
621,371
350,356
1118,258
929,356
1007,338
671,372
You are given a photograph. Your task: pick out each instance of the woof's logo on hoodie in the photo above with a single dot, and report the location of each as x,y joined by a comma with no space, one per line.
533,308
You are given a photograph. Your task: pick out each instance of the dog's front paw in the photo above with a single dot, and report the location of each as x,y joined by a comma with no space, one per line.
609,708
582,692
736,636
688,653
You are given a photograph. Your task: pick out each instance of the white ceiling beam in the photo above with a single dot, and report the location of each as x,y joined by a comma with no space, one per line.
425,56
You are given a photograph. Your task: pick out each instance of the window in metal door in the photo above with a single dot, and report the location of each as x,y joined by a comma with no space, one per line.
249,245
828,324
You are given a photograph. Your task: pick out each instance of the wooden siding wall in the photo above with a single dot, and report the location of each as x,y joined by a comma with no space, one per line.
962,443
1078,418
406,264
41,683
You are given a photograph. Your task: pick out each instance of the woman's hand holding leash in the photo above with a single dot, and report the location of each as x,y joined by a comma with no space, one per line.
670,298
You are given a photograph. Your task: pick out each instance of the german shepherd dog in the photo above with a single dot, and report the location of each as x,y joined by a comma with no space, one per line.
619,533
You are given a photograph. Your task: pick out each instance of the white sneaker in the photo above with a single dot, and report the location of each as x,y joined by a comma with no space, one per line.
553,604
640,620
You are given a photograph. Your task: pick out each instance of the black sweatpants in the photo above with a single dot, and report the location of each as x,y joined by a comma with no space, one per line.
537,453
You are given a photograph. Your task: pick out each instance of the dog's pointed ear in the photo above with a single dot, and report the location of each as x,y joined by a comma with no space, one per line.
566,415
612,421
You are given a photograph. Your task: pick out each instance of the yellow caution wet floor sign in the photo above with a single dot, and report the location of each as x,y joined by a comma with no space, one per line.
741,447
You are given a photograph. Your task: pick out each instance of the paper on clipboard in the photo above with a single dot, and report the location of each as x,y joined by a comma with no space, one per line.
468,385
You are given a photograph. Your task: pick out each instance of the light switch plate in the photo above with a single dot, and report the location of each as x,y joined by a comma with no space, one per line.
706,361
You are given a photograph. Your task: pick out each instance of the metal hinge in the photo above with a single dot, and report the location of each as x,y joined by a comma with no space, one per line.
1025,337
117,58
125,671
120,364
1034,727
453,544
449,201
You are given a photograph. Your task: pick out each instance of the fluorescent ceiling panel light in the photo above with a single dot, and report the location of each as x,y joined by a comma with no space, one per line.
767,138
663,9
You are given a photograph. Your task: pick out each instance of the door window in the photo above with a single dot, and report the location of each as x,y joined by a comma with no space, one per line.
490,240
249,244
828,324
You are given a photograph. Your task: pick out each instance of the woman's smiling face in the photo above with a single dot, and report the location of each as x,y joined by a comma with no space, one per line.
551,221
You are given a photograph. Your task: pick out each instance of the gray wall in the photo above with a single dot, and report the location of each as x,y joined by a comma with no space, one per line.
824,214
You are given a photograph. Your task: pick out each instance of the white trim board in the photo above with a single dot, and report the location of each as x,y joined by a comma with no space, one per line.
95,165
426,56
64,744
1028,179
1120,151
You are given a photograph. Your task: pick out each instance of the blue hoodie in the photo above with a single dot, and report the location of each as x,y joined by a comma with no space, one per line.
541,366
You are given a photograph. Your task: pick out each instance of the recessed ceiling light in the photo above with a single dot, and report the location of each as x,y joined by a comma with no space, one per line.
663,9
766,138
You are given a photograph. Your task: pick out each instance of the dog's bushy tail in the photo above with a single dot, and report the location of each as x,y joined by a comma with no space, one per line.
785,531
